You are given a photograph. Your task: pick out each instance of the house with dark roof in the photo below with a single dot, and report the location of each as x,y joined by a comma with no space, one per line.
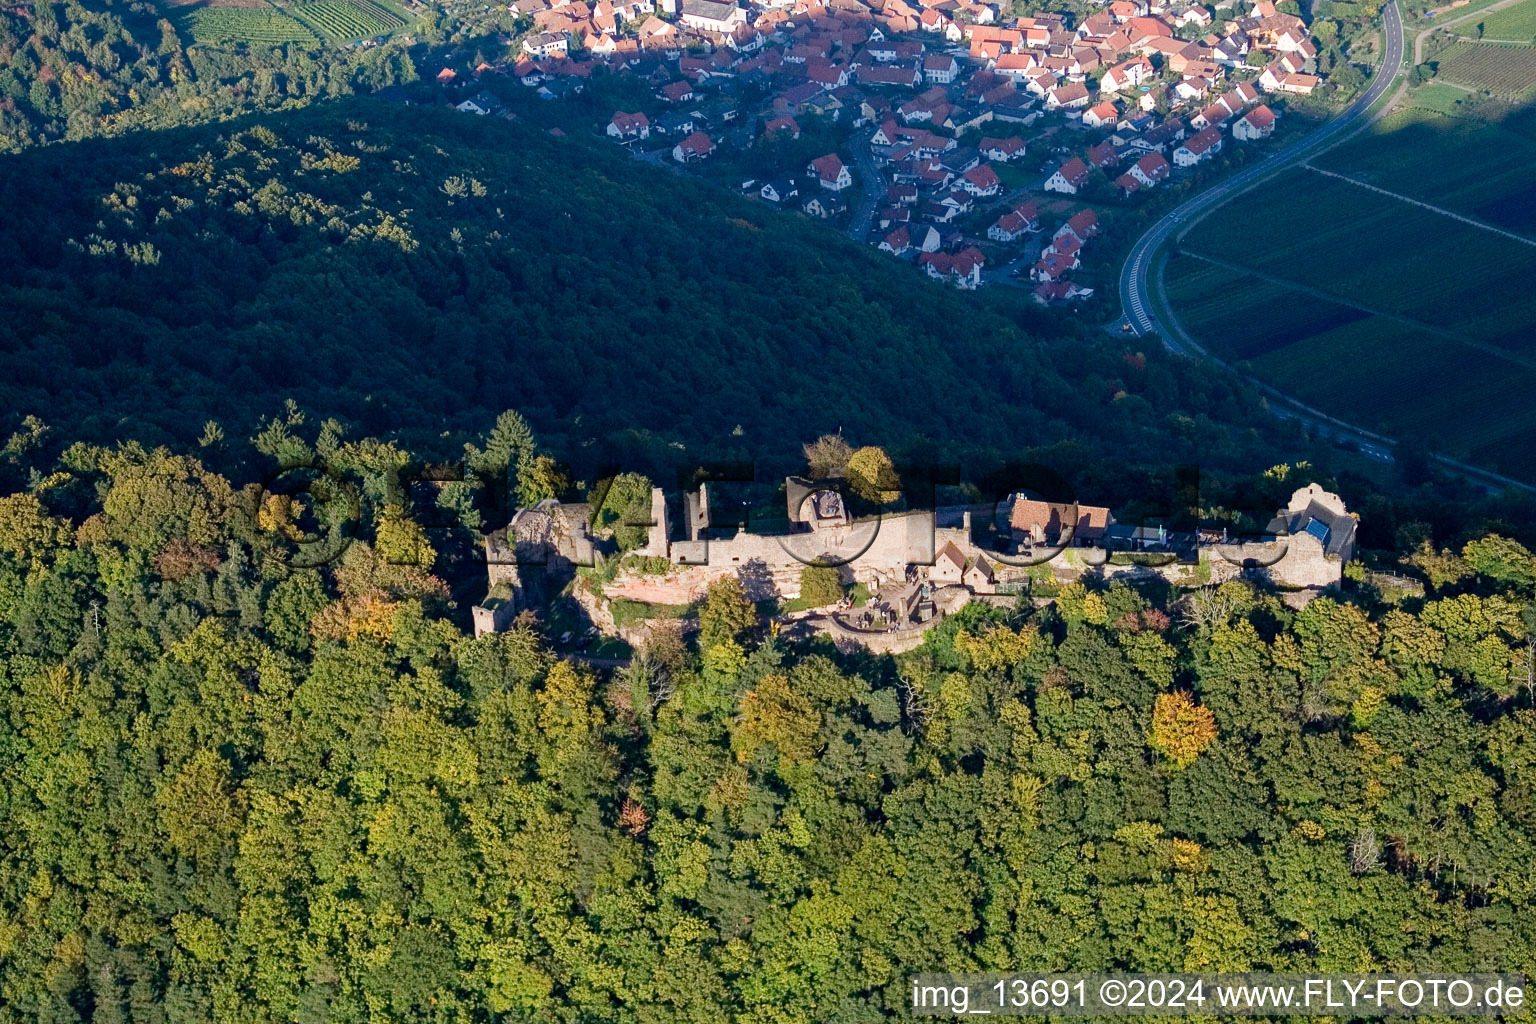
1316,536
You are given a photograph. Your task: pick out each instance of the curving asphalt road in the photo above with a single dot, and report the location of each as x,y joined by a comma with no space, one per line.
1135,299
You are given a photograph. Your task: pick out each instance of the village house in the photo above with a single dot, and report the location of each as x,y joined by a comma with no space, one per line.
546,44
624,126
825,205
673,124
1104,155
782,127
1165,134
481,103
1100,115
1127,76
1193,15
1016,223
905,76
1201,146
940,68
1068,96
1069,177
1082,226
1053,266
676,92
779,190
1258,123
1051,292
695,147
963,269
981,181
1151,170
1002,150
711,16
830,172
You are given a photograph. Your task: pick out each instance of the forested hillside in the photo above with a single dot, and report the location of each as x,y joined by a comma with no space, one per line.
416,271
74,70
236,789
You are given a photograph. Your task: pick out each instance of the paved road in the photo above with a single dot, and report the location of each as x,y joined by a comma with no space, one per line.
1135,299
871,187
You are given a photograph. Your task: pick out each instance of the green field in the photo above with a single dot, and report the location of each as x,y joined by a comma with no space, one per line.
344,20
1517,22
1394,317
1441,98
1504,70
1372,370
259,25
1382,253
1474,167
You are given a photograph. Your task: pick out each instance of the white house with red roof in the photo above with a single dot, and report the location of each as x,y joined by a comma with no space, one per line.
1082,226
783,125
981,181
1301,85
695,147
1127,75
1065,245
1017,222
1068,178
1048,292
1053,267
676,92
1151,170
1002,150
1100,115
963,268
932,20
1258,123
1104,155
831,172
1200,146
1067,96
629,126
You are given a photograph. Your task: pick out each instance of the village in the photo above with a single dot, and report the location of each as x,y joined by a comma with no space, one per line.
979,148
900,574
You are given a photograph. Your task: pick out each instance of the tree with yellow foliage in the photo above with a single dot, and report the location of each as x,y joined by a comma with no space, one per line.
1181,729
775,714
872,475
401,541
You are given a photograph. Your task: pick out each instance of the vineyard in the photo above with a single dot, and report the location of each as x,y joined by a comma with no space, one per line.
261,26
1503,70
1399,318
1517,22
337,20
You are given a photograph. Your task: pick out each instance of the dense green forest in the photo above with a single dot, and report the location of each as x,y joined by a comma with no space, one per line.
234,788
417,271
